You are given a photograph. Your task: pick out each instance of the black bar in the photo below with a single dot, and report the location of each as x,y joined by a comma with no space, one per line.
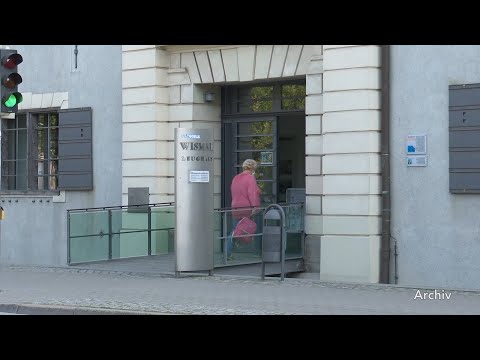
68,238
109,234
149,231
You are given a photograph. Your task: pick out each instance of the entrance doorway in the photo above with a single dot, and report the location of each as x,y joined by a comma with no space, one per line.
264,122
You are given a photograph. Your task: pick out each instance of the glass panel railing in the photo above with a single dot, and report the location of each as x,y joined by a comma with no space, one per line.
162,242
88,223
123,232
132,231
219,232
294,220
163,230
89,248
133,244
294,217
120,232
232,251
89,236
229,250
294,246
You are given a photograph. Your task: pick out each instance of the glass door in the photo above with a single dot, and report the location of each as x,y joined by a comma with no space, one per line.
255,138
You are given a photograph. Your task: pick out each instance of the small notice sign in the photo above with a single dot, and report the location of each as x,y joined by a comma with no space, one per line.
196,176
417,160
266,157
416,144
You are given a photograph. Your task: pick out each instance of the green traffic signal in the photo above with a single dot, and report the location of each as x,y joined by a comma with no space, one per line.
12,99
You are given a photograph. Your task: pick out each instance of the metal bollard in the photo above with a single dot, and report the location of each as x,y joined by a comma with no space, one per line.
274,237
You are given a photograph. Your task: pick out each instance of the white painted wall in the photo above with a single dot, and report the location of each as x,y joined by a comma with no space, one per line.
437,233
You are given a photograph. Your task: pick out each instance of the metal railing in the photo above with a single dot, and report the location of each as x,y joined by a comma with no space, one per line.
248,253
106,233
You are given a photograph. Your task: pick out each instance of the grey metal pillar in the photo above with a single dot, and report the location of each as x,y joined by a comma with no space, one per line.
225,238
194,156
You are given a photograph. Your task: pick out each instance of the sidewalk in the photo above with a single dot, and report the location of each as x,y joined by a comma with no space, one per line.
55,290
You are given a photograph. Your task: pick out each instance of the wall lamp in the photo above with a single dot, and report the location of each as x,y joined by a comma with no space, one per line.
209,97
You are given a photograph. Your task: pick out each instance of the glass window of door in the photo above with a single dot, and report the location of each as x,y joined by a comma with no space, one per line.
251,116
255,138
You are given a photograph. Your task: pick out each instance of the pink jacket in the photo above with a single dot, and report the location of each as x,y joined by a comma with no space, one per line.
245,193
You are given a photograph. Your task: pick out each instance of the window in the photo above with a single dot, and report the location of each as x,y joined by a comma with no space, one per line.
255,99
30,152
46,151
293,97
264,98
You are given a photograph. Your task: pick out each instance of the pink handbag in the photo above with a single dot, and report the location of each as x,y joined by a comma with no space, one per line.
246,226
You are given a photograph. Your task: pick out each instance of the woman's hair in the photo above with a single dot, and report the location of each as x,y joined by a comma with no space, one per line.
249,164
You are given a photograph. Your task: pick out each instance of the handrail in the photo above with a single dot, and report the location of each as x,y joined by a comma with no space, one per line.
121,207
256,207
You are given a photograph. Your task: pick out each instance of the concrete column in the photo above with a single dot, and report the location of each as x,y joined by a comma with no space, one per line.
351,197
147,151
313,158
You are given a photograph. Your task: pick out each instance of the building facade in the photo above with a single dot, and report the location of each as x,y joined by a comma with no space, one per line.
55,79
332,119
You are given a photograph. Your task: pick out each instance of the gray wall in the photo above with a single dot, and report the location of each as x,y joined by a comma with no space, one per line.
35,232
438,233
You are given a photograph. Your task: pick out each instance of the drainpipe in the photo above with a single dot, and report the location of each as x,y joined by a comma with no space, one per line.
385,153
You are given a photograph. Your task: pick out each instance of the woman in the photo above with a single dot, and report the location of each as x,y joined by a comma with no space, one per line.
245,193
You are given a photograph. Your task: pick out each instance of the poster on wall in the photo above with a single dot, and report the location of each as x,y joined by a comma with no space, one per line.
417,144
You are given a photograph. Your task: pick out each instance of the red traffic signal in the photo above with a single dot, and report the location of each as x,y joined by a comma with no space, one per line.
11,80
11,61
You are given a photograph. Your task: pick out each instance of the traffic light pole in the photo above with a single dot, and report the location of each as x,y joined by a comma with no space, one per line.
2,115
10,79
9,94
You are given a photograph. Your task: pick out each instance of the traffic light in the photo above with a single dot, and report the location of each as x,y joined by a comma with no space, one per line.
10,78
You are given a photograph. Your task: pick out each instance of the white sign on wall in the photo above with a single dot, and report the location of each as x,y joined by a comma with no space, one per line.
416,148
199,176
417,144
417,160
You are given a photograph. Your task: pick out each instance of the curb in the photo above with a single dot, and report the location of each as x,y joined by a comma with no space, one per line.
268,280
34,309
